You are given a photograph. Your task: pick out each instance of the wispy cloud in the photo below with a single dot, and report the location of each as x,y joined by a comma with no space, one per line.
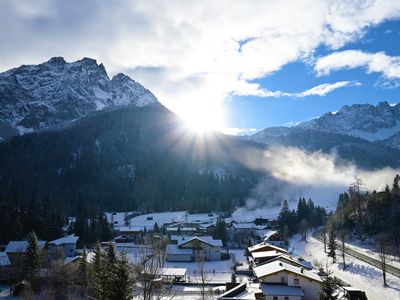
307,174
388,66
319,90
325,88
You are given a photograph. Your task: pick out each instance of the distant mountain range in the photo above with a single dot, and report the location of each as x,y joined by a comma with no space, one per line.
366,134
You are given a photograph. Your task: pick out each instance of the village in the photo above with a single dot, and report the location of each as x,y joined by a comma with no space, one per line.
190,255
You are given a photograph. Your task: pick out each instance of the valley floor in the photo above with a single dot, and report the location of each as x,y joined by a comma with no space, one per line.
358,274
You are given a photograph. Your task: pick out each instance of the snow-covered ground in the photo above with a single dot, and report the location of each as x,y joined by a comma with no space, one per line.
5,292
358,274
148,220
368,247
216,271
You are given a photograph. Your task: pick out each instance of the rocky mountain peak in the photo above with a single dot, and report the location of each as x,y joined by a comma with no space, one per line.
34,97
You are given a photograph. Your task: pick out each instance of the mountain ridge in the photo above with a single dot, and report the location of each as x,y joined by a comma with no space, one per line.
366,121
36,97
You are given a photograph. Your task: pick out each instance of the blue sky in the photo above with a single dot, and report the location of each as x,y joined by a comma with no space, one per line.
258,113
235,66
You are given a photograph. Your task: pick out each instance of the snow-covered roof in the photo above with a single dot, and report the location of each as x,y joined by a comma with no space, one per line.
292,260
247,225
261,246
69,260
245,291
278,266
4,260
20,246
205,239
174,249
182,229
173,271
69,239
127,229
281,290
265,254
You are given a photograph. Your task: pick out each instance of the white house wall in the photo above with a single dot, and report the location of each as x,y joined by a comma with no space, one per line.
311,288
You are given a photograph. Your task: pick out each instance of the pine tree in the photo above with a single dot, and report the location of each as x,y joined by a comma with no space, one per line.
100,282
156,228
332,246
221,231
122,285
328,288
83,268
110,265
32,256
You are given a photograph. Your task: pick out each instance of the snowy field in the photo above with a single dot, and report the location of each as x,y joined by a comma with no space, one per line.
358,274
148,220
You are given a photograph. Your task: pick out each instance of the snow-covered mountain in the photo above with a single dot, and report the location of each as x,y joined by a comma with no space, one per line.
363,133
34,97
365,121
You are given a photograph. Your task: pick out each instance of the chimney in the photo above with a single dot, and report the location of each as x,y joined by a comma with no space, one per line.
280,264
301,270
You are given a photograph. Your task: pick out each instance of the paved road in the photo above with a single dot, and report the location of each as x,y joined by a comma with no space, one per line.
369,260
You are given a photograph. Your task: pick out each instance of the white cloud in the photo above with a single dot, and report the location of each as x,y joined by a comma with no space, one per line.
379,62
325,88
185,51
319,90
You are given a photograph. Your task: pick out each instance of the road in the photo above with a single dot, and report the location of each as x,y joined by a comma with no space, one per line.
369,260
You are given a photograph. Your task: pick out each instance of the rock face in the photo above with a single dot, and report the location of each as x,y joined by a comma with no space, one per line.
34,97
365,121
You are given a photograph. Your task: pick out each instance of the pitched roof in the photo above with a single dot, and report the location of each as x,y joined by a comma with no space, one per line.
205,239
292,260
173,271
174,249
265,254
4,260
281,290
20,246
278,266
261,246
69,239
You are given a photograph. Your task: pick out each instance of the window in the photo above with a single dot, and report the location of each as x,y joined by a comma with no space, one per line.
275,298
296,281
286,298
283,279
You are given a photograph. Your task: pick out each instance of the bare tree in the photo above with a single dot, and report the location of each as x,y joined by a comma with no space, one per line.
147,275
383,241
355,194
343,238
202,279
323,234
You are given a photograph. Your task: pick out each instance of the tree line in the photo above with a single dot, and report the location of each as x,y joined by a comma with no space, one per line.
307,215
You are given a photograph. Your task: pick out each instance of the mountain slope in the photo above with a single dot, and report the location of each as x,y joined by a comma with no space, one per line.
125,158
34,97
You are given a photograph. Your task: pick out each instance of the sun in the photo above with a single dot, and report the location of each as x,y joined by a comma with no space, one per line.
202,117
